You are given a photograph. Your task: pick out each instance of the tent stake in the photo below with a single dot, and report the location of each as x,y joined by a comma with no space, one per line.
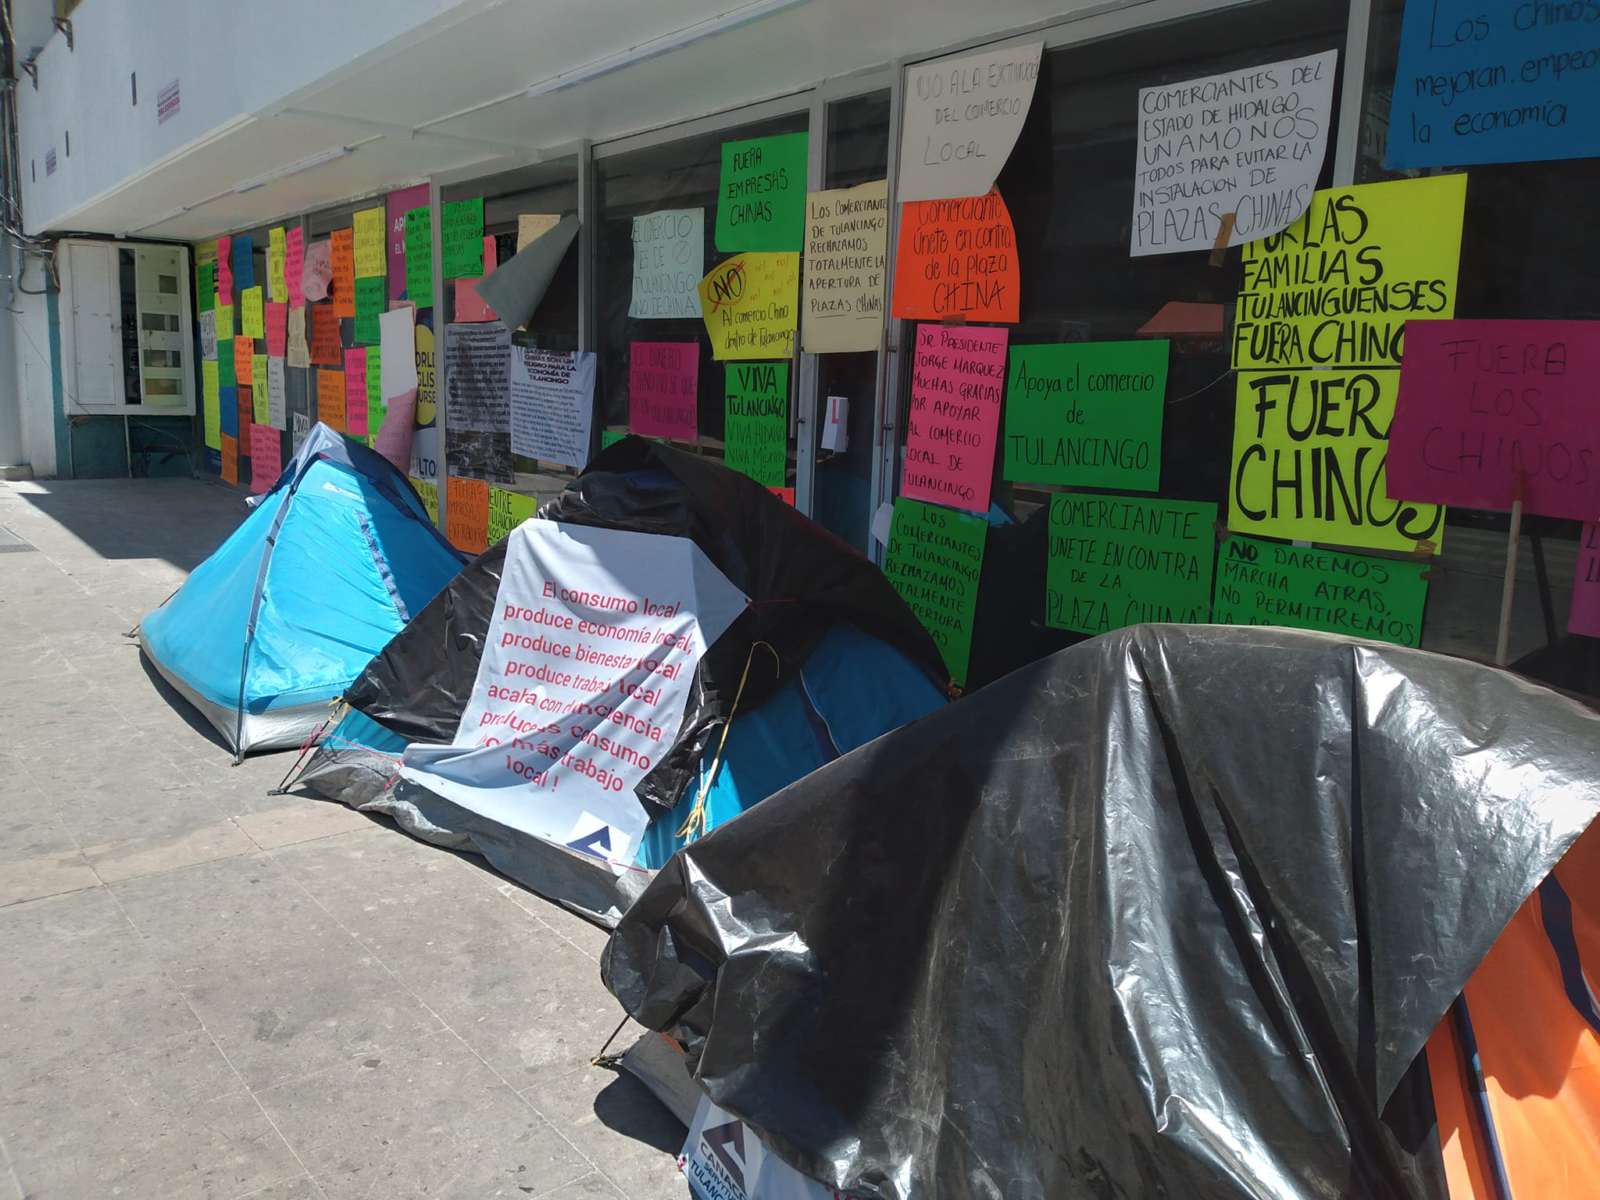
1502,644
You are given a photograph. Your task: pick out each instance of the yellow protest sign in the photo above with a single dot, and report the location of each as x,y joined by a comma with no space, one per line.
252,314
277,252
847,243
211,402
225,322
371,254
1336,288
1309,455
533,226
749,304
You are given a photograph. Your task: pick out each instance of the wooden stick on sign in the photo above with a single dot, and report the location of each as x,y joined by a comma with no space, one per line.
1508,587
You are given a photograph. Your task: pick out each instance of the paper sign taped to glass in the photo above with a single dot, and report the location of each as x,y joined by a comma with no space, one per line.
585,675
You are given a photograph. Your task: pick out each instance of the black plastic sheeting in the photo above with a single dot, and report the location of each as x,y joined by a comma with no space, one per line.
801,580
1169,913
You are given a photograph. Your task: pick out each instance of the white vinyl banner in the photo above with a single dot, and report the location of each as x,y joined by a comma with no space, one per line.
723,1159
582,685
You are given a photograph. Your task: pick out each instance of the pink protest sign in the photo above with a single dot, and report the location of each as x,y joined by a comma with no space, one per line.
1585,615
1483,404
400,203
355,392
225,270
277,316
957,378
663,383
468,305
266,449
294,264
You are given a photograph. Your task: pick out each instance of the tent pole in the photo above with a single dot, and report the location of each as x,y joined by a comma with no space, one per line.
1508,587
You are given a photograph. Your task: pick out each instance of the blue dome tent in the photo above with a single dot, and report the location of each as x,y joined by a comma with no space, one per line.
338,555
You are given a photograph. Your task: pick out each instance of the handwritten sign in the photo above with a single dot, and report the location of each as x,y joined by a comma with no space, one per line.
206,285
369,307
428,493
261,412
210,399
749,305
756,422
277,252
962,118
230,460
376,408
419,257
466,506
934,560
341,246
242,257
1087,414
1249,144
370,258
275,394
355,392
396,205
761,199
298,353
669,257
552,404
330,399
266,457
252,321
1484,404
325,348
507,510
847,248
1585,615
243,358
276,320
1116,561
224,270
533,226
1269,583
228,362
229,405
462,238
477,378
663,387
1502,81
957,258
1337,287
224,319
469,305
316,277
208,335
957,377
1310,450
294,266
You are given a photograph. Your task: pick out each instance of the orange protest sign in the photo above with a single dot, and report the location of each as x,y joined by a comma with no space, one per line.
325,348
243,348
467,514
957,258
230,460
342,245
330,399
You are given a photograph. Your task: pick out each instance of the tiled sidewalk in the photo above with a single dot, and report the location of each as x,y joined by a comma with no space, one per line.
209,992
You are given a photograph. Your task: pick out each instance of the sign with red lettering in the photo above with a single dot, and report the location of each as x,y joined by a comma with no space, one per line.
663,387
581,690
1486,405
957,258
957,378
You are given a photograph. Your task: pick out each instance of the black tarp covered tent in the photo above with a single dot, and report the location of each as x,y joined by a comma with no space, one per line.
1169,913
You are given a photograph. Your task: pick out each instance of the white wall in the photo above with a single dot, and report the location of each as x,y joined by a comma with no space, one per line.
231,59
28,320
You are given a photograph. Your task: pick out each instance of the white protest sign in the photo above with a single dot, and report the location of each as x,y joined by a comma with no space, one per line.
723,1159
669,258
302,426
1250,143
581,689
208,336
552,404
477,360
836,425
397,352
275,394
962,118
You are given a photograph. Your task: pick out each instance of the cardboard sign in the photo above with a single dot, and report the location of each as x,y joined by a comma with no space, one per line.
1484,404
663,389
1116,561
1269,583
749,303
341,247
669,257
330,399
1247,144
369,307
297,352
847,250
276,402
477,369
761,198
294,266
396,205
586,670
355,392
957,258
252,319
419,257
1337,287
934,560
467,513
1493,83
552,404
277,323
1086,414
230,460
277,252
1310,455
507,510
470,307
962,118
211,402
370,258
325,347
957,379
756,422
1584,617
266,457
533,226
461,238
316,277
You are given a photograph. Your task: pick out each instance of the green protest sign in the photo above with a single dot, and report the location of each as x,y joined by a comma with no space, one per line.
376,408
756,421
370,299
1120,560
934,559
507,510
761,198
1269,583
1086,414
419,257
461,238
226,371
206,286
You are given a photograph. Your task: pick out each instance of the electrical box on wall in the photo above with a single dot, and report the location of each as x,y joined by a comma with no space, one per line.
127,333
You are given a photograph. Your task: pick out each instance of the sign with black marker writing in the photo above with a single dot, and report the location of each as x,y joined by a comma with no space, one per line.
962,118
934,560
669,257
847,248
